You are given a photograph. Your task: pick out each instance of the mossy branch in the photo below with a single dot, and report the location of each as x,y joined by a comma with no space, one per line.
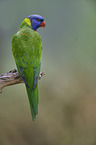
12,78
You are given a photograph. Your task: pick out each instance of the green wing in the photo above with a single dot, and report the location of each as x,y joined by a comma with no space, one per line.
27,51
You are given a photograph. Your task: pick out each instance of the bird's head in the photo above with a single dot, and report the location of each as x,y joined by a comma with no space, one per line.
36,21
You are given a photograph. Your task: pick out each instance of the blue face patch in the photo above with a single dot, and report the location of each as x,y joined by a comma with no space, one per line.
36,21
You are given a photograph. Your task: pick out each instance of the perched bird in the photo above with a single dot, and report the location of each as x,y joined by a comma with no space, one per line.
27,52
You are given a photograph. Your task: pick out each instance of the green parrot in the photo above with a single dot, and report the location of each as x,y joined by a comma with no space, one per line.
27,52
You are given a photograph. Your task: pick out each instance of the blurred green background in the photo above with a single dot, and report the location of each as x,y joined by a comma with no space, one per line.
67,104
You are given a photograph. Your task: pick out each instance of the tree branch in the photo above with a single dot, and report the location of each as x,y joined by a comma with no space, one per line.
12,78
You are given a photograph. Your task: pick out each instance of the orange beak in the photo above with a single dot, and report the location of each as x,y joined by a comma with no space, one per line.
43,24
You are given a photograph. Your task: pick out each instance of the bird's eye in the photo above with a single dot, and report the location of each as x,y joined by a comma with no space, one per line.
38,20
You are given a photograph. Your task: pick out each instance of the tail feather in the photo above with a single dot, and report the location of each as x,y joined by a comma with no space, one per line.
33,96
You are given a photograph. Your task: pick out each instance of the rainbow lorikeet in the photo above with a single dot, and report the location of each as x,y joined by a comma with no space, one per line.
27,52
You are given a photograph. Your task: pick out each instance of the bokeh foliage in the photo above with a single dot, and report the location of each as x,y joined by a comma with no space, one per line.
67,108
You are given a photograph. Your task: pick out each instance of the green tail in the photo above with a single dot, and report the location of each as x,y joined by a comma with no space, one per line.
33,96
